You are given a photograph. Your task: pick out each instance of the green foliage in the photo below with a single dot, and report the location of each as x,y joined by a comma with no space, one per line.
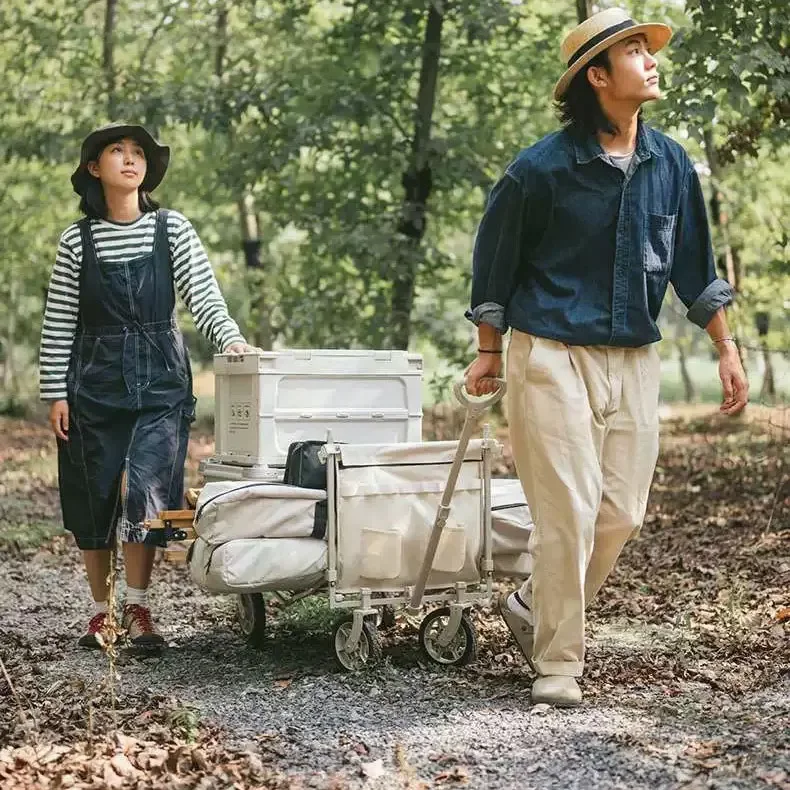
733,68
309,111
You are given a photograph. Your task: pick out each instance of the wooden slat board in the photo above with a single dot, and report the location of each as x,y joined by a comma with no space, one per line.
177,515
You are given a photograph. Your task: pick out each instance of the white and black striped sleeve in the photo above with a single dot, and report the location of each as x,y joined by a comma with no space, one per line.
60,321
198,288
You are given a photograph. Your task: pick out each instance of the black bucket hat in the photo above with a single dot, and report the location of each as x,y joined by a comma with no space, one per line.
157,156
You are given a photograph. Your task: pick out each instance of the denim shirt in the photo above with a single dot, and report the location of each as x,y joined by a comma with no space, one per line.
573,249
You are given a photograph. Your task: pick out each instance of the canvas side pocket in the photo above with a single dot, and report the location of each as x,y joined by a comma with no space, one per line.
451,551
381,553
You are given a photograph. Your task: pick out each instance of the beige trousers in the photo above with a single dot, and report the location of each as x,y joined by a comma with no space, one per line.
584,431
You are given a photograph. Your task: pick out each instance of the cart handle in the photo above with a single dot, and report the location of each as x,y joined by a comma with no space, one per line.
477,404
474,406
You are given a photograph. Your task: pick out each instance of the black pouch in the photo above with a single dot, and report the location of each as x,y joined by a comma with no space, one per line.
305,465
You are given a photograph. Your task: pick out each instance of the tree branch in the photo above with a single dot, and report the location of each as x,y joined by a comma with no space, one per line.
155,32
107,54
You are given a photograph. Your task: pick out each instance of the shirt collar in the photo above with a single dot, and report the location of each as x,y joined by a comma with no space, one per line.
588,148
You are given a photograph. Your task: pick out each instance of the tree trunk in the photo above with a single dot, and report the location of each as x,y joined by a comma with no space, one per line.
108,64
417,182
717,210
263,333
768,389
9,367
248,215
720,220
583,9
688,383
222,40
730,262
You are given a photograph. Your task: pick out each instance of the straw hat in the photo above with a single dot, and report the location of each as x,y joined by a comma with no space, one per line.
600,32
157,156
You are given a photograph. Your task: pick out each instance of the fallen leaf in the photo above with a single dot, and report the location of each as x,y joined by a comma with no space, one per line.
373,770
457,774
122,766
199,760
125,743
111,779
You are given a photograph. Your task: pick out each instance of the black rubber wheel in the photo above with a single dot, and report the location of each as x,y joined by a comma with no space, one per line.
387,618
251,612
368,649
463,646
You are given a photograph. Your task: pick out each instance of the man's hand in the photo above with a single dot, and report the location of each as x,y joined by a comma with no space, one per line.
59,419
242,348
735,386
481,375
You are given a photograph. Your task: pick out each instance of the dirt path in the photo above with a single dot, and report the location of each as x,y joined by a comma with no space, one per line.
688,683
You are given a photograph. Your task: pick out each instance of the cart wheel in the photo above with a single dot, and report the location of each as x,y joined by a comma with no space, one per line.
251,611
387,618
462,648
367,651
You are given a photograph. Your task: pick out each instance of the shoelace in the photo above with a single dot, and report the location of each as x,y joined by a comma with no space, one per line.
142,616
96,622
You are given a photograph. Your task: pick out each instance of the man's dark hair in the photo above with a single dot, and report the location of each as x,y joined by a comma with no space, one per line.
92,202
579,106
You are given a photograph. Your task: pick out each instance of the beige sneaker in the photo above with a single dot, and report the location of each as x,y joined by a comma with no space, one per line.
558,690
139,627
98,634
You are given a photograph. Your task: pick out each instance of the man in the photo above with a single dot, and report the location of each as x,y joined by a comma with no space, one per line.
578,244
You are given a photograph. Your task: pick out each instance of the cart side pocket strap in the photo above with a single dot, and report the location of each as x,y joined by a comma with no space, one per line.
319,524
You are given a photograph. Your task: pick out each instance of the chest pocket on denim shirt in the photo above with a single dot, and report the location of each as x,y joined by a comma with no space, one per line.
659,241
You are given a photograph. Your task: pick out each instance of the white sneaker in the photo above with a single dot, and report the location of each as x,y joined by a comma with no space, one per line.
561,691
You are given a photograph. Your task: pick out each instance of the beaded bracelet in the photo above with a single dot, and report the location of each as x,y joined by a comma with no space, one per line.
489,351
729,338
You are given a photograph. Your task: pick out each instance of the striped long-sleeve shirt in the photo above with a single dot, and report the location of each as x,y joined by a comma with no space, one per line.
194,280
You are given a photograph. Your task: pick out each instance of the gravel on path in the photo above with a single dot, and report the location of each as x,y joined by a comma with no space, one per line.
403,724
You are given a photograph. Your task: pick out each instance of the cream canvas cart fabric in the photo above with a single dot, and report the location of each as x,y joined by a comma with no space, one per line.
258,565
387,497
228,511
511,528
249,521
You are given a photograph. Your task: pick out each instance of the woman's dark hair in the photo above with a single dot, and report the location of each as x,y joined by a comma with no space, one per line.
92,202
579,106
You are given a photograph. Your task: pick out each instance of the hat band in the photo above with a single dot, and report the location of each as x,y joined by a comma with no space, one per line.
595,40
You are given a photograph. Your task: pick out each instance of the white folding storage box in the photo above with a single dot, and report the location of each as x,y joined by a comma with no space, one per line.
265,401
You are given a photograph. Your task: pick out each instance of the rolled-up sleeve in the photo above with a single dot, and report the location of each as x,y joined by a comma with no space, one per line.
693,270
497,253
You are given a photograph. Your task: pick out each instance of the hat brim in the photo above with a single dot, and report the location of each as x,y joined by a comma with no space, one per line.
657,34
157,156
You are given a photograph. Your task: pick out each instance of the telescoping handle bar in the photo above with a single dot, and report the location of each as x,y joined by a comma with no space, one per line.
475,406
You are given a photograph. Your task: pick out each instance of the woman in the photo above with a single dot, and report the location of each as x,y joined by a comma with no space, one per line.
114,366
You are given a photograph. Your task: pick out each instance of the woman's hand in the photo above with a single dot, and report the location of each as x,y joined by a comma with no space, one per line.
59,419
242,348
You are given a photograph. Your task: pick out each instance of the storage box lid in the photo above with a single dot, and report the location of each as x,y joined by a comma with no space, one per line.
338,361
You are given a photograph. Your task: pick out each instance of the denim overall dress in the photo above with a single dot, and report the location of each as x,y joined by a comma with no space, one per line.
130,399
